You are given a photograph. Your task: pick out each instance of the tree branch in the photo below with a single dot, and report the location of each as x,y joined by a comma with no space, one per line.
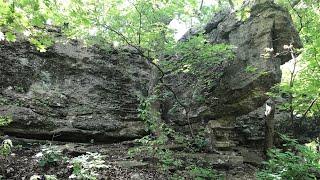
292,5
310,106
140,23
201,5
150,60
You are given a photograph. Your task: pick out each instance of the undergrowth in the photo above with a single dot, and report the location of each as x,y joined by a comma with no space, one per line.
294,161
158,147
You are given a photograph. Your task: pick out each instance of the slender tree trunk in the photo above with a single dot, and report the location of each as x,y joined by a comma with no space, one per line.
291,85
269,124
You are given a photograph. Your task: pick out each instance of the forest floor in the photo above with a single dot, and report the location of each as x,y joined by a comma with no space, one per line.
24,162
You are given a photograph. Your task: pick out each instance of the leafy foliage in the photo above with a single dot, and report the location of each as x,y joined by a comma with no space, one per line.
5,120
196,55
305,88
146,23
6,145
195,64
50,156
295,162
47,177
200,173
86,166
5,148
156,146
26,18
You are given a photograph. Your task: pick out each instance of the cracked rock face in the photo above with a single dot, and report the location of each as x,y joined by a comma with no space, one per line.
72,93
259,52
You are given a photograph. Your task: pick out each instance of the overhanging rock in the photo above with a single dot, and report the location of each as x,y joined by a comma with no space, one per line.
246,78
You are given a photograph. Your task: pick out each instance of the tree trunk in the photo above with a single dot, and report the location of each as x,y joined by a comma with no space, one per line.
269,124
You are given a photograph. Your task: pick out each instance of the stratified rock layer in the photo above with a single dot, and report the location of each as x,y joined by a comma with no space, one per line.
72,93
232,111
258,43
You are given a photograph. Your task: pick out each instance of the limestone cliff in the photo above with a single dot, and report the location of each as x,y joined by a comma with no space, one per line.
73,93
232,110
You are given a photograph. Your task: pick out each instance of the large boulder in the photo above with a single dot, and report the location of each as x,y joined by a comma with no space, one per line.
72,93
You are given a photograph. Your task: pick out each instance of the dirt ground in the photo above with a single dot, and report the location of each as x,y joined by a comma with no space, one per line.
23,162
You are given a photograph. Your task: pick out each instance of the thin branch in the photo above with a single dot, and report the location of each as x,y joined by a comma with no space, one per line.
310,106
150,60
292,5
201,5
291,83
140,23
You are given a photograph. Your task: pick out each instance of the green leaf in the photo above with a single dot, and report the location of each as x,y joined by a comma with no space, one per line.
10,37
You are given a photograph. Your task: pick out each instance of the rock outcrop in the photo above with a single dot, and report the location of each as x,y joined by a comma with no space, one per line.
72,93
233,110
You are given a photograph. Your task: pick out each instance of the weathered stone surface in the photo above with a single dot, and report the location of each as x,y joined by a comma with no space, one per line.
221,134
130,164
251,127
72,93
216,160
251,156
232,110
245,79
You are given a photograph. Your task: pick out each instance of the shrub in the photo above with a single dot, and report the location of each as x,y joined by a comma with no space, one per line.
46,177
200,173
50,156
4,120
296,162
5,148
86,166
